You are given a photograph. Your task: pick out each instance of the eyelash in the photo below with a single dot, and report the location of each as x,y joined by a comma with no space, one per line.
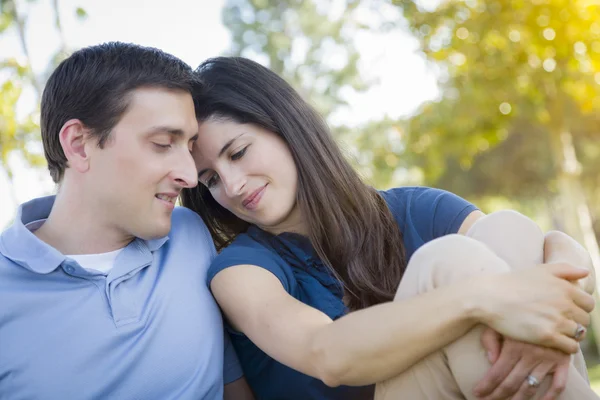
239,154
234,157
212,181
162,146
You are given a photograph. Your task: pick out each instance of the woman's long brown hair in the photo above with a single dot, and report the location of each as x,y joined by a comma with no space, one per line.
350,225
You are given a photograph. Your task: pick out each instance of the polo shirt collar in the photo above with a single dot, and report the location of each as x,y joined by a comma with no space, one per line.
21,246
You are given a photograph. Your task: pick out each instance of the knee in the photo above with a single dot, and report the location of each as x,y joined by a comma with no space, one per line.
456,257
507,224
515,238
560,247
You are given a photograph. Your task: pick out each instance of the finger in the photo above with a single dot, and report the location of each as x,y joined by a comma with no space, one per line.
492,343
559,382
497,373
580,332
572,330
582,336
566,271
562,341
527,391
582,299
513,381
578,316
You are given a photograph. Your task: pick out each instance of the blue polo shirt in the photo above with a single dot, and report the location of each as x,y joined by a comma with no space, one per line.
150,329
422,214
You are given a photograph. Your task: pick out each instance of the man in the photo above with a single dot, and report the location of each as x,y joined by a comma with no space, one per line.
102,287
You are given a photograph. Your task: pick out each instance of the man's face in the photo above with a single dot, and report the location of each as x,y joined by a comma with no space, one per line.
137,176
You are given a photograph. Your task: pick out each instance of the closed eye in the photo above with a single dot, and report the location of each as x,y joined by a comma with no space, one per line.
239,154
162,146
212,181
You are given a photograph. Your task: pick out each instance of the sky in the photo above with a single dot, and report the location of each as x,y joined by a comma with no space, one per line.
192,30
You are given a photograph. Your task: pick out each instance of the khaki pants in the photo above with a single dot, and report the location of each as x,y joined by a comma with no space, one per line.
496,243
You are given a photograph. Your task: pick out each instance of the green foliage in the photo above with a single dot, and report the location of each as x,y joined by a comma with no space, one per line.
81,13
515,75
309,43
14,132
20,134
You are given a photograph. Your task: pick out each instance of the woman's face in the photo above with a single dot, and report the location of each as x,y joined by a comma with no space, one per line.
250,172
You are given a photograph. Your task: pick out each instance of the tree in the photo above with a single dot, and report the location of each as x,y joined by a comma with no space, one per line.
19,135
308,43
14,133
311,44
513,71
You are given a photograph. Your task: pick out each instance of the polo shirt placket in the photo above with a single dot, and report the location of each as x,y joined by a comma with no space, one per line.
122,306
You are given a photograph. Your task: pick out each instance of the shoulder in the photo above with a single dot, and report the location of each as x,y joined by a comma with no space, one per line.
247,251
189,241
185,223
406,201
417,200
183,218
13,278
402,196
425,213
410,195
6,267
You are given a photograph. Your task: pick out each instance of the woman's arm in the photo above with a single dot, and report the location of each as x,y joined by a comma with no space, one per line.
512,361
374,344
469,221
360,348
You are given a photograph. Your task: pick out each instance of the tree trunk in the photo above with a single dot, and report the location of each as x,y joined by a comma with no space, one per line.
578,219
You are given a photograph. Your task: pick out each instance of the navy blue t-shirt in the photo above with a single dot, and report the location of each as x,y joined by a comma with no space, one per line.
423,214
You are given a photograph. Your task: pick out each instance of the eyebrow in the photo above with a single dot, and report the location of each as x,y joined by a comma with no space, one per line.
171,131
223,150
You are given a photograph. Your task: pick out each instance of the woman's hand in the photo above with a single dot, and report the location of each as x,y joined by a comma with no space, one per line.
536,305
513,361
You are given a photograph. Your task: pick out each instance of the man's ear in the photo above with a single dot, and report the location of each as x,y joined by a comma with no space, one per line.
75,140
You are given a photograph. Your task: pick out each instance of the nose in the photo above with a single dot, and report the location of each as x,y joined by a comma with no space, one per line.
234,182
185,172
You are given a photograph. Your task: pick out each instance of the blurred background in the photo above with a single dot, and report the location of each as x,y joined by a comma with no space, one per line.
494,100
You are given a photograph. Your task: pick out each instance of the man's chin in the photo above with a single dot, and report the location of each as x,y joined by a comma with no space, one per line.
155,232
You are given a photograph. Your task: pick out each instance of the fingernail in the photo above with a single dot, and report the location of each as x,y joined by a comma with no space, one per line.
489,356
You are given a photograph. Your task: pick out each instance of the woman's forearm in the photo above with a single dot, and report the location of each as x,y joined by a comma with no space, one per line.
358,349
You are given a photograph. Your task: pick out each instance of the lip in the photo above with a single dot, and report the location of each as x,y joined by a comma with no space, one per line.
251,202
169,204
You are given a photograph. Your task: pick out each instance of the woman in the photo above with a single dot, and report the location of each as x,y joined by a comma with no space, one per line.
312,258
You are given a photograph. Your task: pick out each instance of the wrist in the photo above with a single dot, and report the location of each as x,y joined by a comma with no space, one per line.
477,304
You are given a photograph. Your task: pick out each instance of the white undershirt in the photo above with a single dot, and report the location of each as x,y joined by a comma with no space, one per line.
102,262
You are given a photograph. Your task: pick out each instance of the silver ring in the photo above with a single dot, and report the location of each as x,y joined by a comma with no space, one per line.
579,331
532,381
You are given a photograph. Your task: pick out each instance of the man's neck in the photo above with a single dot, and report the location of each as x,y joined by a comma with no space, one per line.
75,227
